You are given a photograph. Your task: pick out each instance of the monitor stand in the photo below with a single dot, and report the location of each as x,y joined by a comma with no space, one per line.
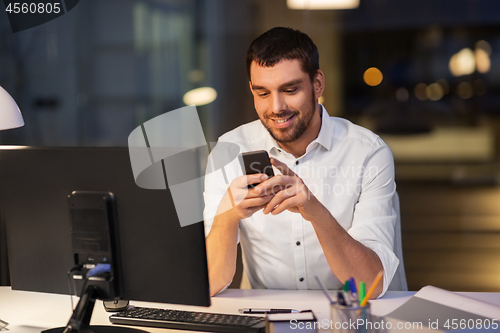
80,320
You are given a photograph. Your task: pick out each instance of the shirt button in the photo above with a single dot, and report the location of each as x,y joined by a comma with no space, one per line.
279,150
301,279
298,243
296,162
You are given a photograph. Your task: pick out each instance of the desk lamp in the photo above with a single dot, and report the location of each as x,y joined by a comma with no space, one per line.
10,115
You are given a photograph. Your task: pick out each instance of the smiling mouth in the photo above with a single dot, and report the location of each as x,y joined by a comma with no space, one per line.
284,120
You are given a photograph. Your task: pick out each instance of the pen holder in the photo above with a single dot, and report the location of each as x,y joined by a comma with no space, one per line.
350,319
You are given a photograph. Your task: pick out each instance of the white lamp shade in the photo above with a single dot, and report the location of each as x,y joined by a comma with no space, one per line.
322,4
10,115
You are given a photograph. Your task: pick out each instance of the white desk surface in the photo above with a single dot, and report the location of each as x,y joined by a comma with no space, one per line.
28,312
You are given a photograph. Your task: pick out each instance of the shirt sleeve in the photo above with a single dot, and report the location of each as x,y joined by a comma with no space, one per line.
215,188
222,167
216,185
374,216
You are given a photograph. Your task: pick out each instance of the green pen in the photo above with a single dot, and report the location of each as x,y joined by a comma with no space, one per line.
346,286
362,291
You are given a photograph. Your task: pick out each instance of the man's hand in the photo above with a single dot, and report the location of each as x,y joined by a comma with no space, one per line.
242,202
291,193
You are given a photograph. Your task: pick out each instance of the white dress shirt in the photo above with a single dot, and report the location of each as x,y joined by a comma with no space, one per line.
349,169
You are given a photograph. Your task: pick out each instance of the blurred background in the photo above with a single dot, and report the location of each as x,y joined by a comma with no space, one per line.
423,74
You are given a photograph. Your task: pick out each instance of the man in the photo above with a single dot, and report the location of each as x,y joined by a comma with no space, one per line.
328,211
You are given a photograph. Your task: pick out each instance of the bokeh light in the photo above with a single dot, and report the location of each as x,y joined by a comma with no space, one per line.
483,62
420,91
463,63
484,45
445,85
200,96
434,92
402,94
373,76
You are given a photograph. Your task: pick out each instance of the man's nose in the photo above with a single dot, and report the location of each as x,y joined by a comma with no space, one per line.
278,104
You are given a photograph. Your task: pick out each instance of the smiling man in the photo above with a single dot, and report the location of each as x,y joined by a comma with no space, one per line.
328,211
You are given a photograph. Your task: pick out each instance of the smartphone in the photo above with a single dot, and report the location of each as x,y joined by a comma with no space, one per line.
255,162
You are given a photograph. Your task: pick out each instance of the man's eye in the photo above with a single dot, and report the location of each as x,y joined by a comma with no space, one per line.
263,94
291,91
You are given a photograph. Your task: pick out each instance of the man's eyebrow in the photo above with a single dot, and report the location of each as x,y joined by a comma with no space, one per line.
291,83
284,85
254,87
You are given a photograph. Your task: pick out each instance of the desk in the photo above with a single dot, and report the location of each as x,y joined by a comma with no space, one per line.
29,312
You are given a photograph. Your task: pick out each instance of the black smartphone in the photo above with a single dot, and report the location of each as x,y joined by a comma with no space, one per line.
255,162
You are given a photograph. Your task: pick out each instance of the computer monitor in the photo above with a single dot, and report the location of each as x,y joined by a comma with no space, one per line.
160,260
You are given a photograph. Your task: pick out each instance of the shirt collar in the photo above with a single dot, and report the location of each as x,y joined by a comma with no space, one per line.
271,144
324,137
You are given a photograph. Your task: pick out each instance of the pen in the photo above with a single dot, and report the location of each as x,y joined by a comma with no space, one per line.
324,290
354,293
352,285
372,288
347,298
264,311
362,291
346,286
3,324
341,299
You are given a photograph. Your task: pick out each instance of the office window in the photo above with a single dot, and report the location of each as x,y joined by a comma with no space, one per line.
93,75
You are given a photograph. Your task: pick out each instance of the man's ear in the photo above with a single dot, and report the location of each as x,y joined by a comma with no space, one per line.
319,84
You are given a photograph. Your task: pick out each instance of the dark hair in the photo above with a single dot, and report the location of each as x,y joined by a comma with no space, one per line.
283,43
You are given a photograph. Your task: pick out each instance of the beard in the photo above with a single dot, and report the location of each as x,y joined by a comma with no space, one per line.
302,121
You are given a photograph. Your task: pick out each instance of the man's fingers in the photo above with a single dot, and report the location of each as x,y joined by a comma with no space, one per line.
276,183
244,181
282,167
281,207
278,200
256,179
258,201
253,210
268,189
255,204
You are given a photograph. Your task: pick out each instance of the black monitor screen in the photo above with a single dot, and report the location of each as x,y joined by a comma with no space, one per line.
161,261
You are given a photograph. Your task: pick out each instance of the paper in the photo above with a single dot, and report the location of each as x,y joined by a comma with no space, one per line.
464,303
444,310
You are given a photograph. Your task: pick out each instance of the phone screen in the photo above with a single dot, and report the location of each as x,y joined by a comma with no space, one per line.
256,162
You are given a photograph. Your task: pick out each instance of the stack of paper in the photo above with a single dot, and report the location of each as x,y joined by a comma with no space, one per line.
443,310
